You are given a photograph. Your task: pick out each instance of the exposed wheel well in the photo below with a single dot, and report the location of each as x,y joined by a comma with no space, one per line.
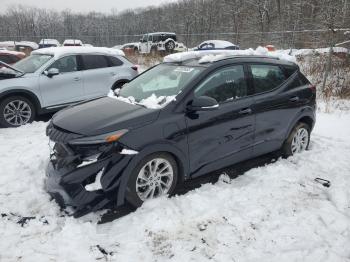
307,120
31,97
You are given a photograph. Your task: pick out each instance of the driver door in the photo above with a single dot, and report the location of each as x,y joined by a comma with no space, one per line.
223,136
64,88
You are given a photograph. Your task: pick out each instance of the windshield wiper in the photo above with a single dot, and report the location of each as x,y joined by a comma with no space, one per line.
14,69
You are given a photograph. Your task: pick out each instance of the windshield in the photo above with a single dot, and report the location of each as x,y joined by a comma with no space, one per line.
32,63
163,80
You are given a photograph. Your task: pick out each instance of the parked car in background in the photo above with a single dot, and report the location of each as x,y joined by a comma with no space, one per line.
216,45
48,43
177,121
72,42
21,46
130,48
52,78
10,57
152,43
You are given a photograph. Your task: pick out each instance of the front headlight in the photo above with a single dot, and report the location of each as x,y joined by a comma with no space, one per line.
99,139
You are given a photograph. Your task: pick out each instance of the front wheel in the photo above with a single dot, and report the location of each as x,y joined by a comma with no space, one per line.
156,175
16,111
297,141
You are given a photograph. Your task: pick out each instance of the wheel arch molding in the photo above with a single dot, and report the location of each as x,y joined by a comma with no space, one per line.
180,158
25,93
305,115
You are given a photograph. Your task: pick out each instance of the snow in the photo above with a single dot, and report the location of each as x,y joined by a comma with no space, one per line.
152,102
217,43
49,42
11,44
207,56
72,42
128,152
305,52
272,213
64,50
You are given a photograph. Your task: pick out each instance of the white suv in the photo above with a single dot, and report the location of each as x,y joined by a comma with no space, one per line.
152,43
52,78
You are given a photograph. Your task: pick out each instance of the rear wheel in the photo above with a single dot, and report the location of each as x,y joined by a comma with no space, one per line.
156,175
297,141
170,46
16,111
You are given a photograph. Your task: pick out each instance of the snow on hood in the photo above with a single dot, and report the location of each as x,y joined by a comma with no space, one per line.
64,50
151,102
208,56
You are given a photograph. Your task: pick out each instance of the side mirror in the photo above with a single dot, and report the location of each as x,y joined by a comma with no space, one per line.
203,103
52,72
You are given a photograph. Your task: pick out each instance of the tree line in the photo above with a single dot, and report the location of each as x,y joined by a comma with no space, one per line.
248,23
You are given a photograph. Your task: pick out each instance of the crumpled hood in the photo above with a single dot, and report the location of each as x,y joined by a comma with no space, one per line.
102,116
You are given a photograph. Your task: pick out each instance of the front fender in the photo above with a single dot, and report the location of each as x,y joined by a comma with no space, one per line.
116,179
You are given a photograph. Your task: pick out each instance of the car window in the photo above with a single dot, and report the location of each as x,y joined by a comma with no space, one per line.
266,77
32,63
65,64
94,61
113,61
224,85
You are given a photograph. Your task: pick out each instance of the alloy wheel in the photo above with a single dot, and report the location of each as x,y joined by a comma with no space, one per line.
154,179
17,112
300,141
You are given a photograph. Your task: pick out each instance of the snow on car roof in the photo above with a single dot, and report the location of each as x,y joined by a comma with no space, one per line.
209,56
72,42
218,43
12,44
161,33
49,42
65,50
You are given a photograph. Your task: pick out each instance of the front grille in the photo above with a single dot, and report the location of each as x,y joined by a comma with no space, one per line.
60,135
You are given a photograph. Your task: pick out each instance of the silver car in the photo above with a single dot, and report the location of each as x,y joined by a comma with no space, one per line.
52,78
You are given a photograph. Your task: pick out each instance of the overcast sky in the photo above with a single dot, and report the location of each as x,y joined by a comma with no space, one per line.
84,5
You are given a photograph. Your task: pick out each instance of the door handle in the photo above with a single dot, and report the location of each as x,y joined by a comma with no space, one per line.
294,99
76,78
245,111
113,74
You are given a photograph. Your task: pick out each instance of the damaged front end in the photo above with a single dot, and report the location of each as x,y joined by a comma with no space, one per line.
84,173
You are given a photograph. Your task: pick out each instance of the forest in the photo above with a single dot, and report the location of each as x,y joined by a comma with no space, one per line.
283,23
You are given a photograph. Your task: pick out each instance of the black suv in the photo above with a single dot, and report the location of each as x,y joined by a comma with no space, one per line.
177,121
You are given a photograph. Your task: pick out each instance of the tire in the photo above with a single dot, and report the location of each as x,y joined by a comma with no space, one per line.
290,146
134,193
170,46
25,111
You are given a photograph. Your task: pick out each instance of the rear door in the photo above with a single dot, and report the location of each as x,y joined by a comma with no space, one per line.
278,97
97,75
223,136
66,87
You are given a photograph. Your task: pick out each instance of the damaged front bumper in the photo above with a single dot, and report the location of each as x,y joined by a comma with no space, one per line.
86,185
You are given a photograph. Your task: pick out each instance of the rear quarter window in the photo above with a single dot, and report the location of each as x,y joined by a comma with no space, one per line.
266,77
94,62
114,61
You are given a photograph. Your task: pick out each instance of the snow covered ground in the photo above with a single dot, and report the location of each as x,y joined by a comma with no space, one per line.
271,213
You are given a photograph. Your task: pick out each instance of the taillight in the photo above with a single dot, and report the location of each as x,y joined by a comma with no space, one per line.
313,88
135,67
